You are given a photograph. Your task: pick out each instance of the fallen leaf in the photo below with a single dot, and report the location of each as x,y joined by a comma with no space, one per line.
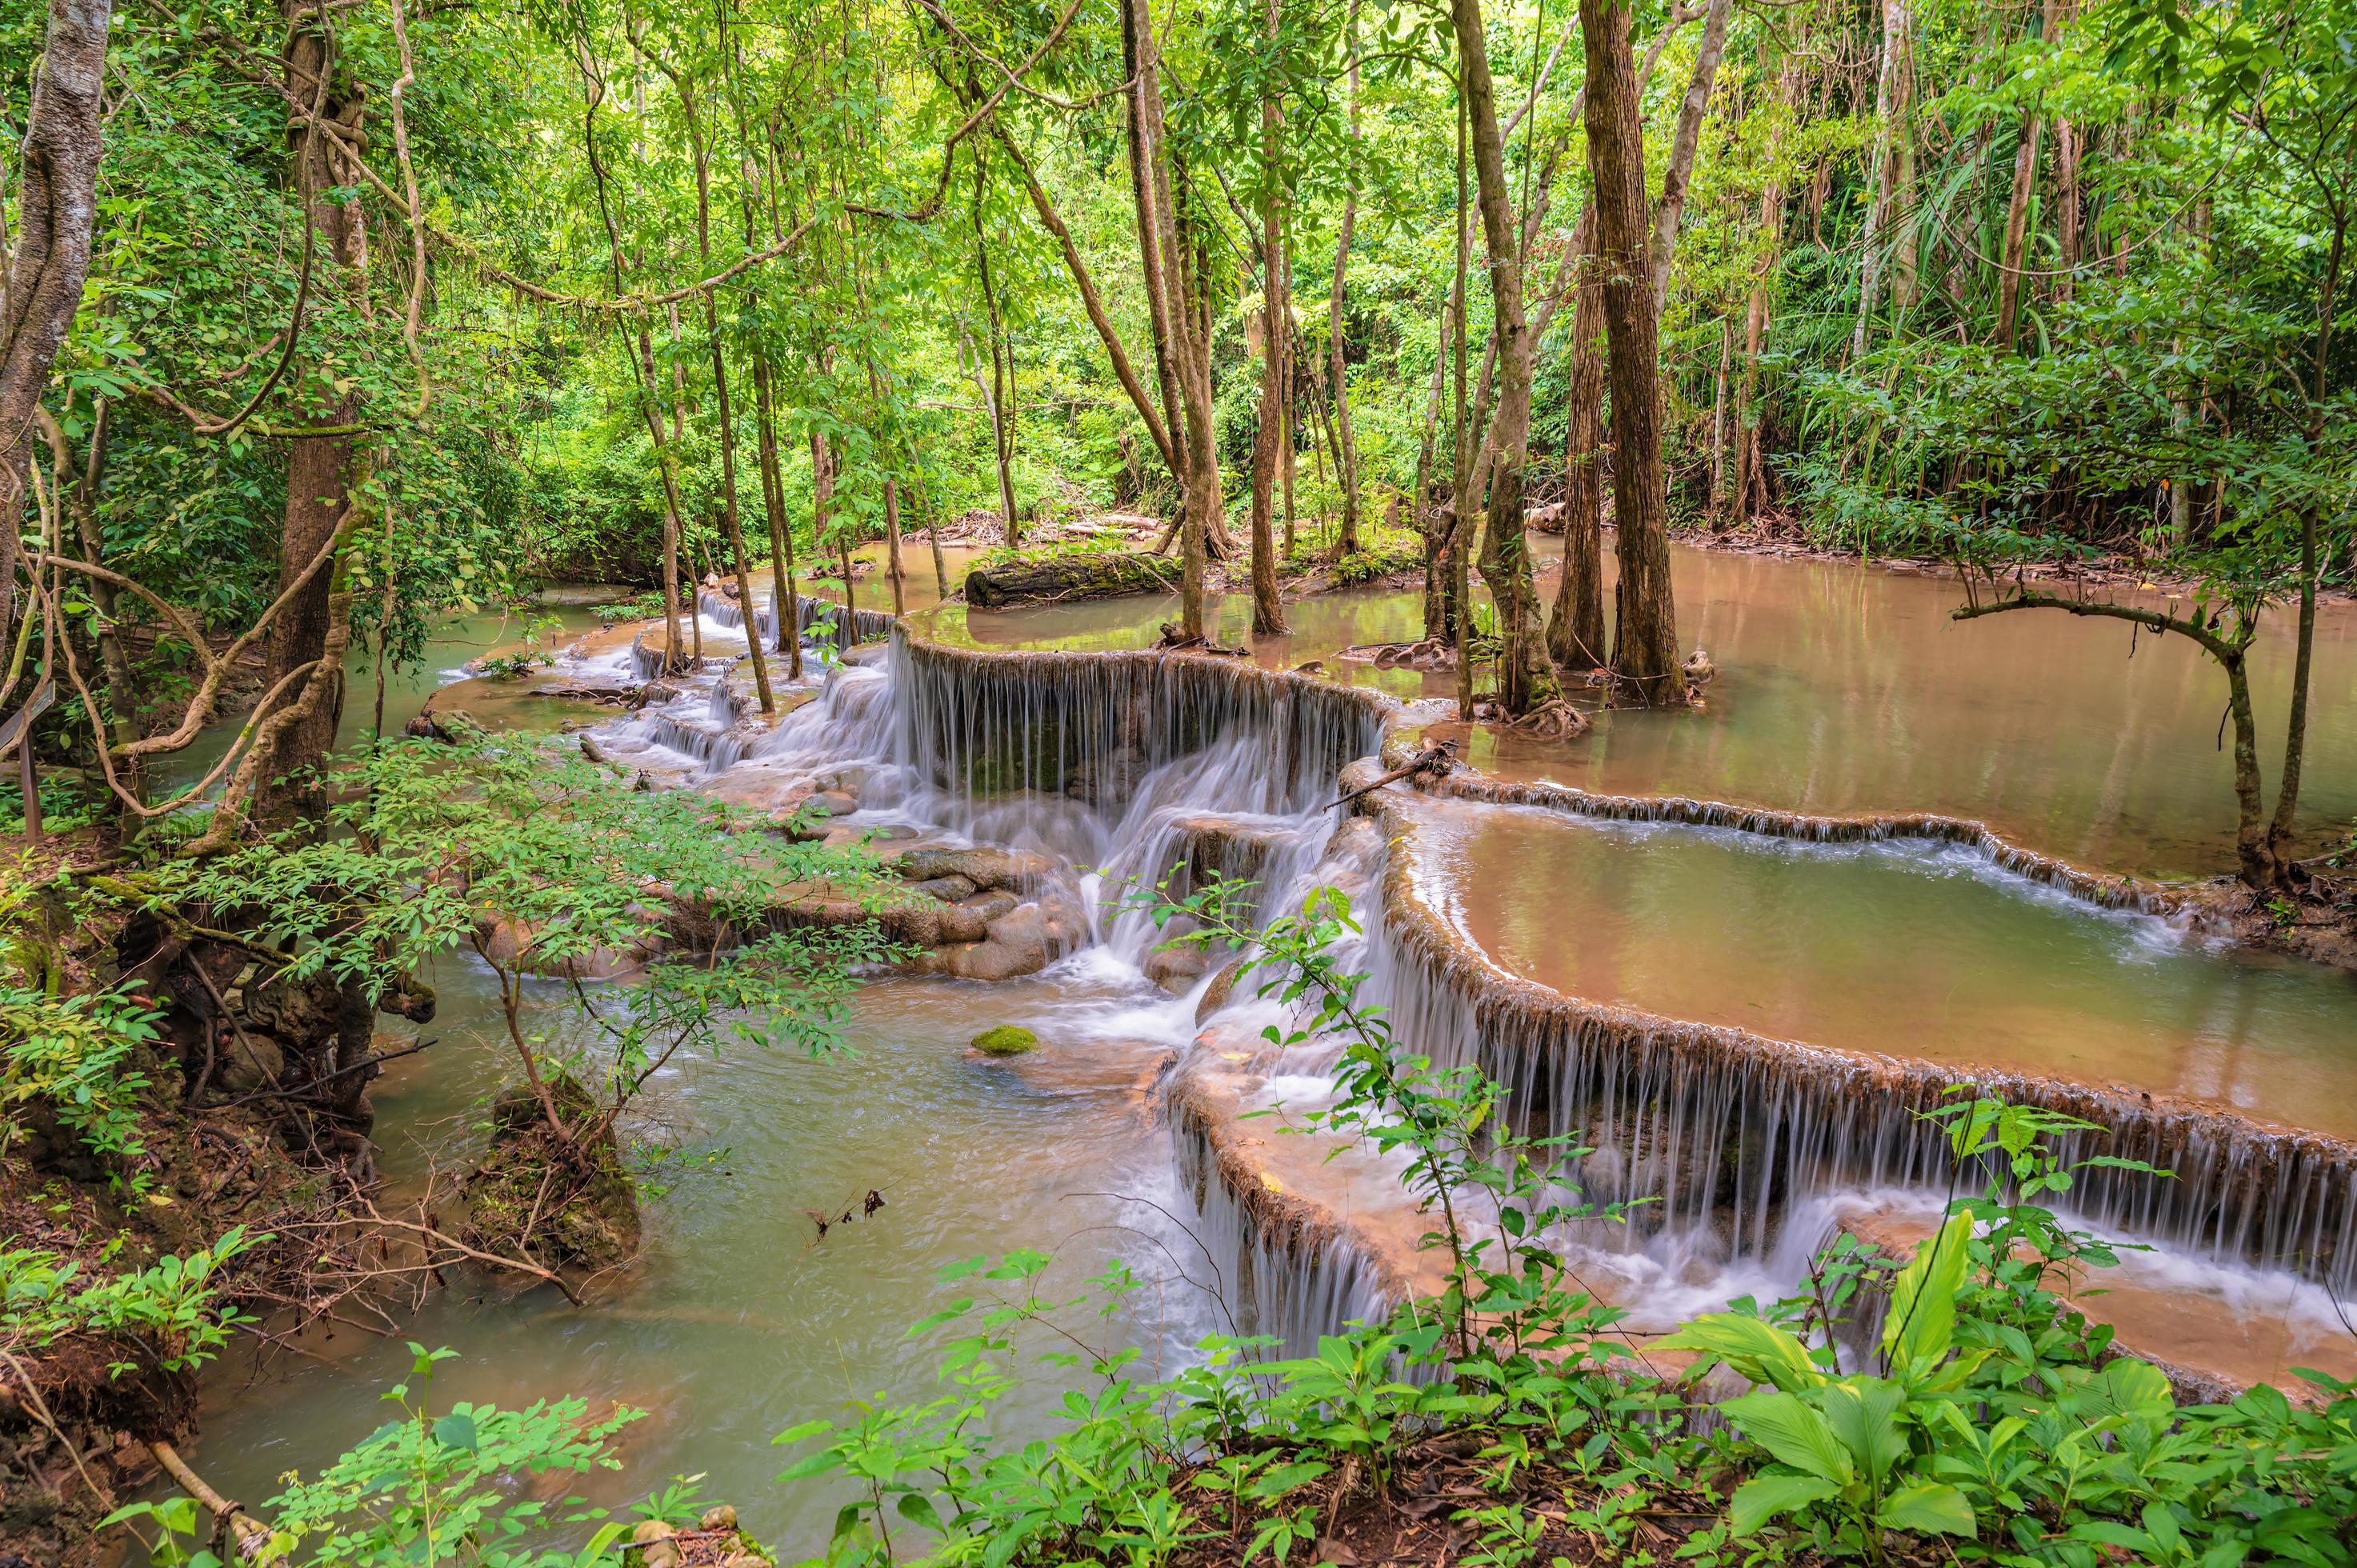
1332,1551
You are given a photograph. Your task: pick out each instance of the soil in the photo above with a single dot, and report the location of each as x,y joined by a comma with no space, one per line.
561,1202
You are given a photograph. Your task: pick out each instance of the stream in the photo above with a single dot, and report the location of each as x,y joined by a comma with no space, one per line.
1842,690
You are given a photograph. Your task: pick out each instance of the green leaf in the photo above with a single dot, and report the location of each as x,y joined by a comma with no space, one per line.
1794,1434
456,1430
1864,1413
1760,1351
1922,1320
1762,1497
1932,1509
917,1508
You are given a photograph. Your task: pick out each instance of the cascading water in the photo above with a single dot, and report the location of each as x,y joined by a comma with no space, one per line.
1130,765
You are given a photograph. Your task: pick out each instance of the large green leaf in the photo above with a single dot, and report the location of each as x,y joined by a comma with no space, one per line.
1931,1508
1762,1497
1760,1351
1794,1434
2125,1386
1864,1413
1922,1320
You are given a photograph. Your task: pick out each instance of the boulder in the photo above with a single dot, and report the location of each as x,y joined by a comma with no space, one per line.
833,803
1216,995
250,1063
1175,969
1062,579
984,865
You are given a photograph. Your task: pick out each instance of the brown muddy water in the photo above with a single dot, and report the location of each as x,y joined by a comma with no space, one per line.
1842,690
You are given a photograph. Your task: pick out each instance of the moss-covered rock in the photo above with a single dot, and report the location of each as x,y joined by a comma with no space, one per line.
1005,1040
559,1201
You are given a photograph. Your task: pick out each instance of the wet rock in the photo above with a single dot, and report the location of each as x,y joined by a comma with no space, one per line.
720,1517
507,942
948,889
451,725
1066,578
1175,969
833,803
967,922
984,865
558,1200
1223,986
1005,1040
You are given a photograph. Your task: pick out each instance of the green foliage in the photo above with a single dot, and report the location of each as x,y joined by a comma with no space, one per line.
74,1055
166,1314
432,1489
542,862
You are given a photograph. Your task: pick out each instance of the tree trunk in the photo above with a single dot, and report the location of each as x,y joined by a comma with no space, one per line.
1679,174
1880,173
1274,424
892,547
784,602
1525,680
2066,205
56,204
1436,597
1346,450
1002,434
2014,254
1575,634
1155,266
320,469
1645,648
672,527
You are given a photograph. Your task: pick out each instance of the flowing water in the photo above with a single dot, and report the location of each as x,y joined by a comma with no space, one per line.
1897,947
741,1321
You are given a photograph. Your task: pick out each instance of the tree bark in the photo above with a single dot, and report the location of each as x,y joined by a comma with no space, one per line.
1274,425
1525,680
1679,174
1575,634
1897,20
56,210
1436,596
1346,449
320,469
2014,253
783,601
1645,646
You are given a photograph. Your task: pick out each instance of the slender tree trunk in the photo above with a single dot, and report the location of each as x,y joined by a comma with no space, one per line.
671,529
1273,426
1645,648
1002,436
1718,421
320,469
2066,206
1897,20
1437,599
1525,680
892,547
1346,450
56,208
1679,174
2282,828
783,601
1155,265
1575,634
2013,256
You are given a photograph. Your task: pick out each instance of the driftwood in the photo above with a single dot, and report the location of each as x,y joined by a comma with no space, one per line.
1437,760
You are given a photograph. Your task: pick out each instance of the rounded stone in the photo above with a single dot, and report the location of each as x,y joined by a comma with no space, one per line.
1005,1040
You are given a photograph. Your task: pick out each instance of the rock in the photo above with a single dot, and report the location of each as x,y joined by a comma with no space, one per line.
451,726
1175,969
250,1062
1005,1040
948,889
1216,995
575,1194
719,1517
967,922
650,1530
833,803
1065,578
984,865
661,1554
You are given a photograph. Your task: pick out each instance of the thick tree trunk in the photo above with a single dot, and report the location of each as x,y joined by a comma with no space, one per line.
1575,634
1525,680
1645,646
2013,256
1155,265
56,204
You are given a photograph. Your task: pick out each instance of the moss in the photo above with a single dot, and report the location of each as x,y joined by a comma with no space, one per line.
1005,1040
574,1196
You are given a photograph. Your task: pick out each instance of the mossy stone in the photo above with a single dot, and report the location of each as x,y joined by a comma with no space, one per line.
1005,1040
